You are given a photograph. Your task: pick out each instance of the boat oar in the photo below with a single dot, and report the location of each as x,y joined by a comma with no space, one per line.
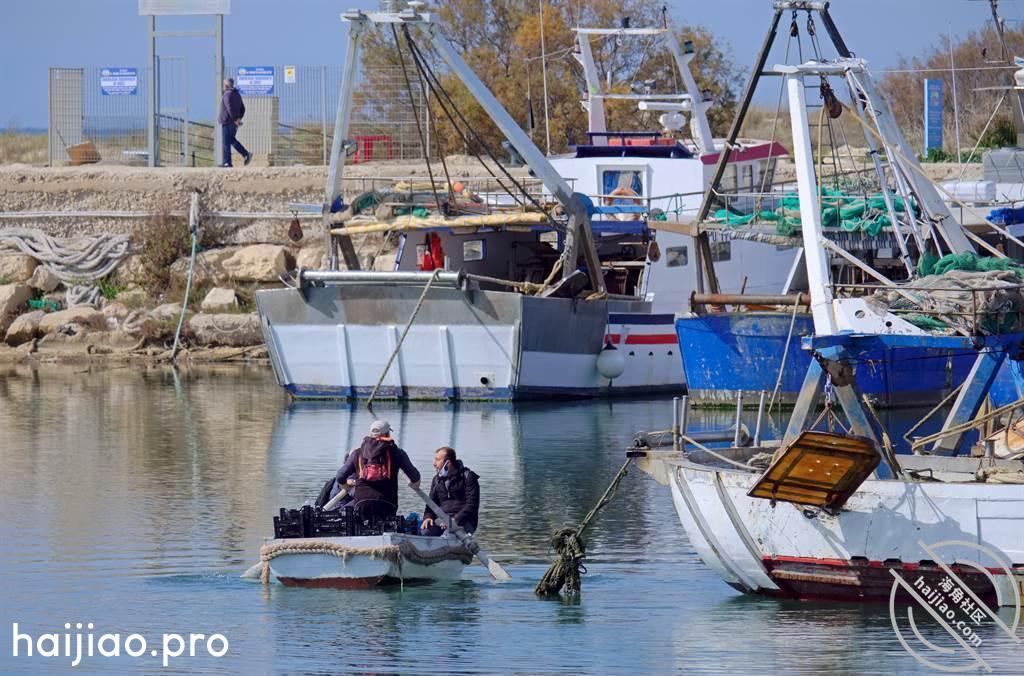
333,502
493,567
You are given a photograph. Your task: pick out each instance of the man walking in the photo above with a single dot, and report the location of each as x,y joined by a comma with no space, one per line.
232,110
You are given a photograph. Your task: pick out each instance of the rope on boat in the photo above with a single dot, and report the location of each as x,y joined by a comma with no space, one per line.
396,554
401,339
571,549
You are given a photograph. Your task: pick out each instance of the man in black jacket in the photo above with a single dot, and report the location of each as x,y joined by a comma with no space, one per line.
375,465
230,115
456,490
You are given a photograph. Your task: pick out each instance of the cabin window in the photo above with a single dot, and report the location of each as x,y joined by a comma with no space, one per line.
623,180
767,168
748,177
721,251
474,250
677,256
550,237
729,179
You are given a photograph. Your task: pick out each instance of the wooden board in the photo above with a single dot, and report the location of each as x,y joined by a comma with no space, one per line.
820,469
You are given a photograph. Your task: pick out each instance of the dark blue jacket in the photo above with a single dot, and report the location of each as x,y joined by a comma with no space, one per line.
231,107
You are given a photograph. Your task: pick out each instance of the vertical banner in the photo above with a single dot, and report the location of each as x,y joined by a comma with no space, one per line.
932,115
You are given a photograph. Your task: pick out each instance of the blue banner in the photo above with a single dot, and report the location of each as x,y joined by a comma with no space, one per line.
119,81
932,115
255,80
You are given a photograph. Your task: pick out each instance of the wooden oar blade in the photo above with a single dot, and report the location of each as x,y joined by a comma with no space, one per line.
493,567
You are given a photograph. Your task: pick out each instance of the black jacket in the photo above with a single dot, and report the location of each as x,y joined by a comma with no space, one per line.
231,107
384,489
458,495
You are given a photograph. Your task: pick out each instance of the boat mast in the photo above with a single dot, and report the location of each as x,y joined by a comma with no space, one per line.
578,235
1018,110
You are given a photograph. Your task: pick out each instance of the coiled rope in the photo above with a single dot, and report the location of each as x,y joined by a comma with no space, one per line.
571,549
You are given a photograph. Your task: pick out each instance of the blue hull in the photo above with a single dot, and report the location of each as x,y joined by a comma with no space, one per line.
725,354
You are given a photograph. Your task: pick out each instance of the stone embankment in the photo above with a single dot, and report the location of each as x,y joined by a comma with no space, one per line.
136,316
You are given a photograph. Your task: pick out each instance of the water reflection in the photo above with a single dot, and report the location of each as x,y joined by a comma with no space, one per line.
133,498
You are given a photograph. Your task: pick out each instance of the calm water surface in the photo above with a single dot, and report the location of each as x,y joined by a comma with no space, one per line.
133,499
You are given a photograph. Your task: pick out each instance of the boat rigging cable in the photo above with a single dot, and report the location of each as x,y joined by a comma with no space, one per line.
448,107
419,129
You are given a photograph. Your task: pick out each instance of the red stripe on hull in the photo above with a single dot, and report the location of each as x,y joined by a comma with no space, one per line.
809,579
332,582
644,339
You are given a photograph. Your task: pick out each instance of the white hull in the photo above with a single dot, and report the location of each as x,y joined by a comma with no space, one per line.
486,345
360,562
779,549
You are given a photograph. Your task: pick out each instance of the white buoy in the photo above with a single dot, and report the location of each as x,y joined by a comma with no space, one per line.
610,362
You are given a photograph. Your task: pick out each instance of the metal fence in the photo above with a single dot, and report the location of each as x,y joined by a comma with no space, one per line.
292,123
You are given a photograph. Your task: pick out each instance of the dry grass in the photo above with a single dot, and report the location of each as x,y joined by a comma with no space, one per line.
19,148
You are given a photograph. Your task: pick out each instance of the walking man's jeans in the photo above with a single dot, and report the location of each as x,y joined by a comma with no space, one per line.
228,141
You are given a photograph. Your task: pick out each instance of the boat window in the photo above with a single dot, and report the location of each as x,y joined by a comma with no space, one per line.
729,179
748,177
721,251
767,168
676,256
474,250
623,180
550,237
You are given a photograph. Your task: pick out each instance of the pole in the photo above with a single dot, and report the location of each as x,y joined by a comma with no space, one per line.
151,123
323,110
218,78
544,71
956,108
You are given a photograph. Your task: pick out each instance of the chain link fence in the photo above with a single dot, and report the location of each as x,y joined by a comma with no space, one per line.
99,115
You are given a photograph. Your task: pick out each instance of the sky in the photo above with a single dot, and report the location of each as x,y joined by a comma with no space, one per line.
38,34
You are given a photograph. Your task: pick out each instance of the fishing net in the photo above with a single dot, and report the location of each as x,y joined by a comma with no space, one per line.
838,210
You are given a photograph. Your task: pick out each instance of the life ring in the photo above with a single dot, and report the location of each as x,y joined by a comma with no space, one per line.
610,198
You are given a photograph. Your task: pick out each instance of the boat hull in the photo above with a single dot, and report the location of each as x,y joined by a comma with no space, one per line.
741,352
362,562
336,342
783,550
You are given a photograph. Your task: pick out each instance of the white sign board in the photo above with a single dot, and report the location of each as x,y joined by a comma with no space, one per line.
119,81
289,74
255,80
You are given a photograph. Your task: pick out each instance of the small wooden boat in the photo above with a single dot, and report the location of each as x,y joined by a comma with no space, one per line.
316,548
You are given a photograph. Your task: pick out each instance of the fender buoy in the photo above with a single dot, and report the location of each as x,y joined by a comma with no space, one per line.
614,195
610,362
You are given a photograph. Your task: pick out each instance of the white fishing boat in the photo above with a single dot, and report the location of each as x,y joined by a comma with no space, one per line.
561,296
823,514
365,561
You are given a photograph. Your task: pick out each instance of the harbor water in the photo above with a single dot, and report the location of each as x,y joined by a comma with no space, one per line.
134,498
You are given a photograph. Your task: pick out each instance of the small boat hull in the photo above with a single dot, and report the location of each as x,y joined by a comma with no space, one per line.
781,549
363,562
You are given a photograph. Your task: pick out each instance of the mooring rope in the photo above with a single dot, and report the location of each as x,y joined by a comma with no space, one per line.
394,554
401,339
571,549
